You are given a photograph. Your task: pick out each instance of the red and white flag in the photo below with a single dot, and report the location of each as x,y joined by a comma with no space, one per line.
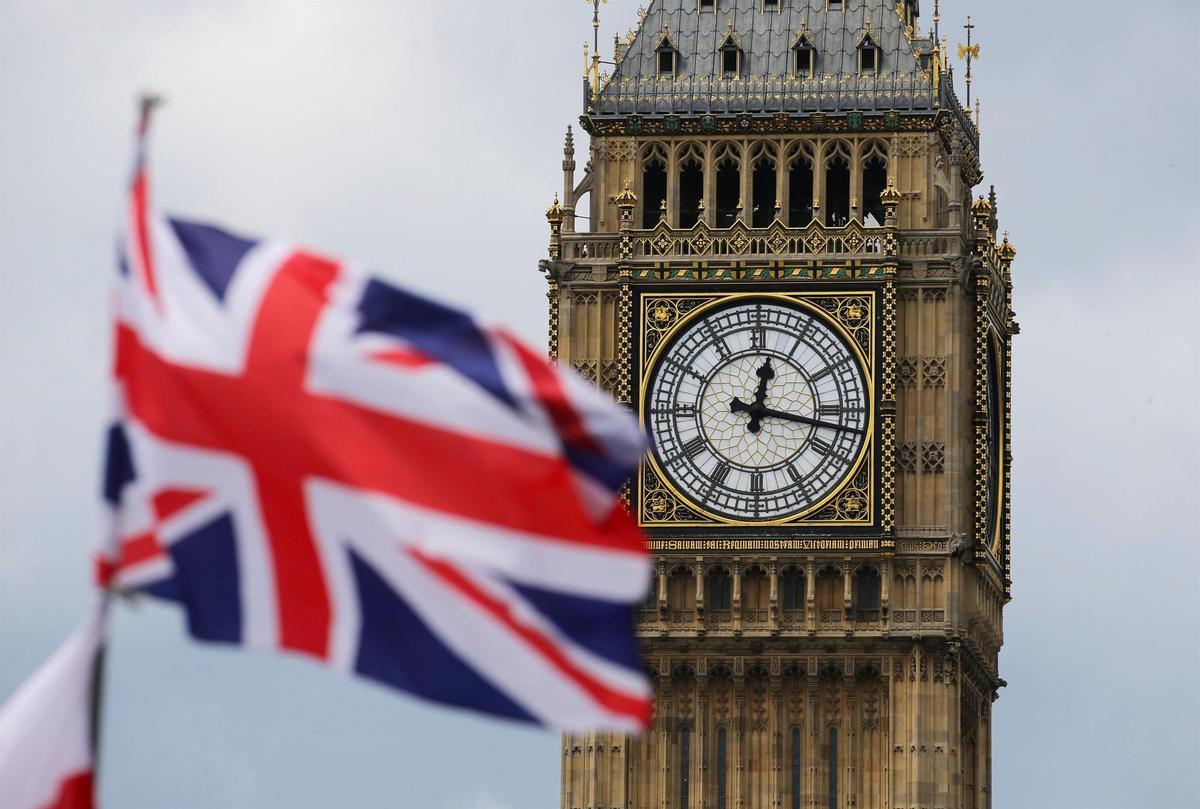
46,755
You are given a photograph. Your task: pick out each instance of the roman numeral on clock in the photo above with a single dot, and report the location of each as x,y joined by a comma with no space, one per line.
721,473
694,447
820,444
718,342
830,410
756,483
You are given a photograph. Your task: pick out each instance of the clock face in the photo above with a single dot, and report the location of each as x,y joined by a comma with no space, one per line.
757,411
995,443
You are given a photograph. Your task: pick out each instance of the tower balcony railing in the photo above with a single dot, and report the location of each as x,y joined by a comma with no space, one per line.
754,618
793,619
719,619
829,617
741,242
647,615
762,621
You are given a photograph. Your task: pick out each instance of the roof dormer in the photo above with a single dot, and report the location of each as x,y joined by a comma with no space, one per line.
804,53
667,54
869,53
731,54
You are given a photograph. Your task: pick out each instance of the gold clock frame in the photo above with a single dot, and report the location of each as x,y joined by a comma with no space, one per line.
853,313
993,340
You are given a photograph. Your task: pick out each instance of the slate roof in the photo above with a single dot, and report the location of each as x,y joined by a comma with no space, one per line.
766,83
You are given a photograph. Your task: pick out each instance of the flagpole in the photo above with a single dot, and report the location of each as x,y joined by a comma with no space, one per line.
147,102
97,686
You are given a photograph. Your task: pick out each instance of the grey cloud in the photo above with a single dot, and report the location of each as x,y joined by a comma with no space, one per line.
424,139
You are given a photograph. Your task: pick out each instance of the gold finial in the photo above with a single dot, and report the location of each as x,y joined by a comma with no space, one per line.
1006,249
554,214
626,199
981,206
891,194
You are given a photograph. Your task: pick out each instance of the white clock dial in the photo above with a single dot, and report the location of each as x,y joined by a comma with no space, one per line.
757,411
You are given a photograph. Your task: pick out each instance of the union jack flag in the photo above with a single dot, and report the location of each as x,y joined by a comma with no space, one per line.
309,459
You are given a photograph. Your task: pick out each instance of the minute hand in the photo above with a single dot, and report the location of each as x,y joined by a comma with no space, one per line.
776,414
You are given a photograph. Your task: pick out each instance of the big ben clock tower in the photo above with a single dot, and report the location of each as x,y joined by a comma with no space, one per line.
775,256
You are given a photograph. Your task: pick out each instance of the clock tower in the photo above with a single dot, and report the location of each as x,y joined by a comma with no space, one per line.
776,257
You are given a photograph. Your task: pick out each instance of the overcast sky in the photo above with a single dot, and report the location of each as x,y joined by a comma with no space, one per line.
424,139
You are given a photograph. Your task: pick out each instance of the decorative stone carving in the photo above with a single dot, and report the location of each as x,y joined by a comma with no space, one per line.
933,372
933,458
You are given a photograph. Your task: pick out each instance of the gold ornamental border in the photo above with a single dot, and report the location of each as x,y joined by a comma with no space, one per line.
998,526
719,299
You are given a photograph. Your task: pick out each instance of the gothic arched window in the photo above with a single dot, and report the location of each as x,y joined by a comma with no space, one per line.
837,186
829,595
933,607
904,597
652,594
681,595
654,187
793,585
874,181
800,188
756,595
691,186
729,189
764,193
718,592
867,594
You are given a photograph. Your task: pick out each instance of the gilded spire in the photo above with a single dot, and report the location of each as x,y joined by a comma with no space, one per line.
969,53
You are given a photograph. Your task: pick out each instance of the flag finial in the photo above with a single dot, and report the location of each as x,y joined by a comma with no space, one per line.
147,102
